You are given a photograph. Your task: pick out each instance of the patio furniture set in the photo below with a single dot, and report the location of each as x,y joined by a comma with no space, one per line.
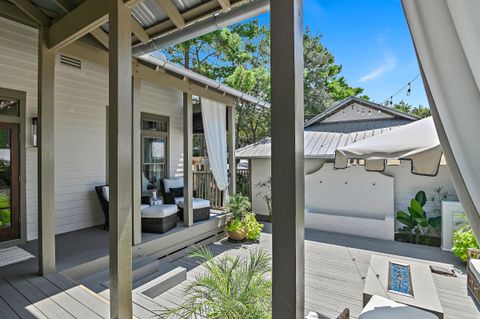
161,215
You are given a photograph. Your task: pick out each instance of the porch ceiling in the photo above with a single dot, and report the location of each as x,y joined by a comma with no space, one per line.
155,17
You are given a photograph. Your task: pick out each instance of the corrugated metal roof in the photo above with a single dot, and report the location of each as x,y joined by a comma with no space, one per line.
316,144
355,126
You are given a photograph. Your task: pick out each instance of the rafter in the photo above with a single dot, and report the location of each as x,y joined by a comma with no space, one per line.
226,5
9,11
88,16
32,11
172,12
100,35
139,31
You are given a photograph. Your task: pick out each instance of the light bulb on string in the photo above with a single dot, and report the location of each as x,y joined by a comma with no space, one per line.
409,90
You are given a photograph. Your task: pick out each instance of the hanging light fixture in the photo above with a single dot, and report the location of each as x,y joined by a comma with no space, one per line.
409,90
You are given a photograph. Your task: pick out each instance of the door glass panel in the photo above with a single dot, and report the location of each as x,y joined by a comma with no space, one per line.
154,162
9,107
5,178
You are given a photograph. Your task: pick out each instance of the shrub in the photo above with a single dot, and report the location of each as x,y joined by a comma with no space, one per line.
463,239
253,228
235,225
232,288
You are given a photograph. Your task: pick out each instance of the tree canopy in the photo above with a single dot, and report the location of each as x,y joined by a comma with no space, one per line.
418,111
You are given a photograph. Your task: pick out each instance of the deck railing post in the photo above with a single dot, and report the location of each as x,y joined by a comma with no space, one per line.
288,199
46,160
120,159
187,159
232,165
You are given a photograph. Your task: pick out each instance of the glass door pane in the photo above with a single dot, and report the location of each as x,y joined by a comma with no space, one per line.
154,162
5,179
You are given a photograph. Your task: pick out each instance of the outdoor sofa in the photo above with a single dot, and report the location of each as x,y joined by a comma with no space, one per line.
172,193
155,219
473,274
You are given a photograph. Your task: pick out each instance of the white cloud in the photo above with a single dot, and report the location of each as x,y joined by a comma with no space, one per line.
388,65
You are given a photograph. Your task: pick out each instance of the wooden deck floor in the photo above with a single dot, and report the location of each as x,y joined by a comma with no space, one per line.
336,266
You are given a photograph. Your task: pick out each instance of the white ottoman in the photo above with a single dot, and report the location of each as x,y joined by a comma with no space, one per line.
201,209
383,308
159,219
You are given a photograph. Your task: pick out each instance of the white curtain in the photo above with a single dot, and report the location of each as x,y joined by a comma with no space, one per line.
214,115
446,34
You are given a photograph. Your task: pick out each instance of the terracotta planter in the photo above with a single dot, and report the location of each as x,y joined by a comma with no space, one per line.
237,235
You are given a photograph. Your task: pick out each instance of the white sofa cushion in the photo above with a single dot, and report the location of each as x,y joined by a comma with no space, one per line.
475,267
383,308
172,183
159,211
197,203
106,193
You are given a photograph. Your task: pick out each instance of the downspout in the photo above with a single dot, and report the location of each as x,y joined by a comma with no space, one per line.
214,23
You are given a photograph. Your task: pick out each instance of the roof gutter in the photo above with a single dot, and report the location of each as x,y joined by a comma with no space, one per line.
213,23
189,74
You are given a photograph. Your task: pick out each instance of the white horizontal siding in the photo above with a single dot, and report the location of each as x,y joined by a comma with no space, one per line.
81,97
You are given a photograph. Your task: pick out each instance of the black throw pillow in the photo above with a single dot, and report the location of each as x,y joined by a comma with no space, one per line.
177,192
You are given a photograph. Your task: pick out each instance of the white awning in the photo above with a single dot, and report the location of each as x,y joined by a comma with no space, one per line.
417,142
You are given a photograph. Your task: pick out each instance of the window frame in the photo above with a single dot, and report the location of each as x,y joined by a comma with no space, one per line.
154,134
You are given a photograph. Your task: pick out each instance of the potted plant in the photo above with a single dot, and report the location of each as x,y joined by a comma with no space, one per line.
243,224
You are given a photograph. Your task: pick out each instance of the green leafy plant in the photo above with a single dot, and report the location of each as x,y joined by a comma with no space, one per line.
232,288
463,239
238,205
416,221
252,226
235,225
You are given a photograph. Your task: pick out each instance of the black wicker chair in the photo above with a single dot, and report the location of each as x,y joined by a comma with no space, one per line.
103,203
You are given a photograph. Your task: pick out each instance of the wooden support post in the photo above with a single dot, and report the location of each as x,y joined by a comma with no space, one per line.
46,160
187,160
120,160
288,199
136,163
232,163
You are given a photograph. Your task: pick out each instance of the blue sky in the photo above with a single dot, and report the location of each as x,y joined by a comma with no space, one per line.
370,39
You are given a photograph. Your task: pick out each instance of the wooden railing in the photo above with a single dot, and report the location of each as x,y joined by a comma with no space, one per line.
204,186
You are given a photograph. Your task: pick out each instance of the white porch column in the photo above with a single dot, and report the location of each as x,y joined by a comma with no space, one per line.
46,160
136,163
120,160
231,150
187,159
288,199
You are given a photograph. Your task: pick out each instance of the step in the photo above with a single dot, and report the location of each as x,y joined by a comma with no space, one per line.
155,286
141,267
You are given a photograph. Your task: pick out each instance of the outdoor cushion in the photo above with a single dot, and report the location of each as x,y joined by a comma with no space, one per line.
475,267
159,211
383,308
177,192
172,183
198,203
144,206
106,193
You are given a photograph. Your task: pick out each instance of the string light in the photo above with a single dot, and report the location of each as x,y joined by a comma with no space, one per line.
408,86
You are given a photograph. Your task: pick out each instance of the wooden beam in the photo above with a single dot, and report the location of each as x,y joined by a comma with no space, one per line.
225,4
46,159
172,12
232,163
120,159
136,161
139,31
100,35
88,16
11,12
288,195
187,159
132,3
32,11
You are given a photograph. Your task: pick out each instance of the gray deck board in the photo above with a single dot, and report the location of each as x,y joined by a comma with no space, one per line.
6,311
18,303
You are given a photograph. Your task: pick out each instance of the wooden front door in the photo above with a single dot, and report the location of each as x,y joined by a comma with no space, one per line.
9,181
